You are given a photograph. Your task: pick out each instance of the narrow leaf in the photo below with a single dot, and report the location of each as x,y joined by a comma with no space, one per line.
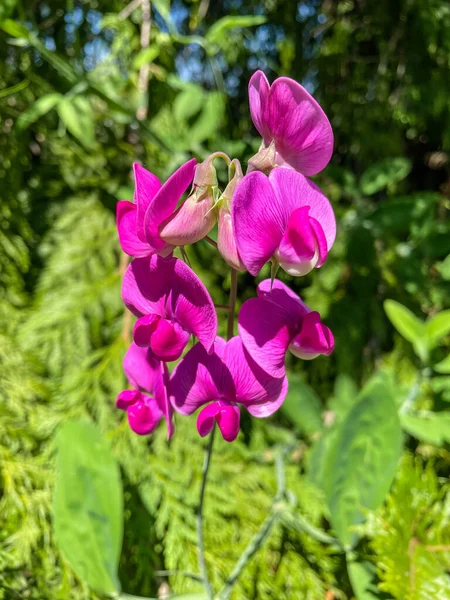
76,114
432,428
384,173
443,366
217,32
38,109
406,323
361,576
88,506
437,327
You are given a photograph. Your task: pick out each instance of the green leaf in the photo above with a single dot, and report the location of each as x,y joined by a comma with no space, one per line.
443,366
210,118
14,29
345,394
188,103
146,56
361,576
163,7
302,406
437,327
216,32
14,88
432,428
88,509
38,109
363,461
407,324
384,173
76,114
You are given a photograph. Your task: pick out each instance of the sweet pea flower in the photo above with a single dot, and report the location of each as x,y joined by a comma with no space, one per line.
171,303
223,380
284,217
277,321
226,239
295,130
138,222
146,374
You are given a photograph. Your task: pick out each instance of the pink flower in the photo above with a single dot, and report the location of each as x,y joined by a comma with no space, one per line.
277,321
284,217
222,380
171,303
226,239
138,223
146,374
288,117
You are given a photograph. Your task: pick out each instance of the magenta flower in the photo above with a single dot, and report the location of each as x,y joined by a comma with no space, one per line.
284,217
146,374
288,117
139,223
171,303
277,321
222,380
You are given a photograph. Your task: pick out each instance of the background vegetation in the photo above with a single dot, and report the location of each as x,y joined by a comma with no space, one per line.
75,112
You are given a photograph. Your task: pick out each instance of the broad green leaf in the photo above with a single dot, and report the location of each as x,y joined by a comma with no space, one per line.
384,173
14,29
432,428
216,32
146,56
443,366
407,324
437,327
302,406
364,459
38,109
76,114
88,509
210,118
361,576
188,103
345,394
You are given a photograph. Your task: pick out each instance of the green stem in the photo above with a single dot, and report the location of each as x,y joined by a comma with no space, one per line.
201,547
168,572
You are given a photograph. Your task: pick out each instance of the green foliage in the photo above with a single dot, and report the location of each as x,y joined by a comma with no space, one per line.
88,506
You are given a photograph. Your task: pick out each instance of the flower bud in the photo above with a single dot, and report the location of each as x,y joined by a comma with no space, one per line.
226,241
264,160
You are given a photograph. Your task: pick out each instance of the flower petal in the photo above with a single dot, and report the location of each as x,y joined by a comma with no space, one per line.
126,398
313,339
126,228
226,241
190,222
226,415
144,415
293,191
168,340
258,220
146,186
162,399
144,328
165,201
258,95
297,251
301,130
199,378
143,291
258,391
141,368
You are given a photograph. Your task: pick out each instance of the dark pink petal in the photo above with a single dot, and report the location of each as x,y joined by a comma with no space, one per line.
165,201
141,368
162,399
168,340
226,241
126,228
144,415
127,398
146,187
294,191
144,328
321,240
258,220
266,330
301,131
280,293
258,95
169,288
206,419
199,378
225,414
258,391
190,222
313,339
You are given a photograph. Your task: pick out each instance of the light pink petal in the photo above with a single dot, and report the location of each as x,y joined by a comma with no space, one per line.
266,330
144,328
168,340
162,399
301,130
321,240
258,95
294,191
258,219
141,368
127,398
226,241
258,391
165,201
144,415
199,378
146,187
126,229
190,222
313,339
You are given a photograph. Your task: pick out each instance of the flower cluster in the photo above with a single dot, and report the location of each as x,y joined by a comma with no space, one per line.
272,214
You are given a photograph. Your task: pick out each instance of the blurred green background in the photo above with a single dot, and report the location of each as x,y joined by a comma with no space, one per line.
88,87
